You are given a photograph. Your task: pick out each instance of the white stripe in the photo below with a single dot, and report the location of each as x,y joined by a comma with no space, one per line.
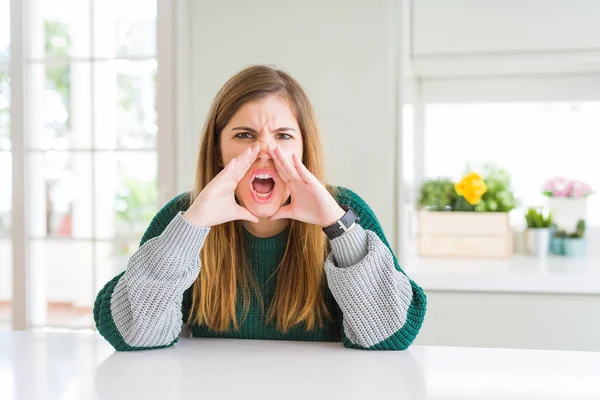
373,295
146,302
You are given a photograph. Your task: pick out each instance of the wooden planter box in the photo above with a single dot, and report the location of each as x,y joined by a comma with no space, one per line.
465,234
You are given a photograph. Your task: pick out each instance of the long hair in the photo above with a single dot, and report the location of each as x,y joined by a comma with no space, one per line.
300,276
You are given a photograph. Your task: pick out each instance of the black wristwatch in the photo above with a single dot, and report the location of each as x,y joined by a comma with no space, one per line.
343,224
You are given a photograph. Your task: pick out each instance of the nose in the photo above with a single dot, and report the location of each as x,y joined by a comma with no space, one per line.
263,153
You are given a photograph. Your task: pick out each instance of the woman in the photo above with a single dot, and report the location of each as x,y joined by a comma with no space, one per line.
262,248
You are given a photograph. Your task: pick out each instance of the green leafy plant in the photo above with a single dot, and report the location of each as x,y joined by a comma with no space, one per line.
537,220
437,195
440,194
579,231
499,196
560,233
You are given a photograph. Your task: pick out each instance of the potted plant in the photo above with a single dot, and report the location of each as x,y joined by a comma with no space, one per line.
567,198
574,242
437,195
539,228
557,242
474,221
499,196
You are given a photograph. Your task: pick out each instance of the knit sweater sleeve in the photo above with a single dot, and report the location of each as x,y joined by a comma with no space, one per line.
381,307
141,307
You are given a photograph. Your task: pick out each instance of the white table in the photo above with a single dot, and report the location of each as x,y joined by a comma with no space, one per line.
39,365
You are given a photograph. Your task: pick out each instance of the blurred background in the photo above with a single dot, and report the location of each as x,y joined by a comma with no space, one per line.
470,127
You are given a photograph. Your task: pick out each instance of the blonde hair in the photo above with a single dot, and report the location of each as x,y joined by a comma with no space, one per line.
300,276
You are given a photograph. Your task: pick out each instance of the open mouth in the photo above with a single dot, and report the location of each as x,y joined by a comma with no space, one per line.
262,186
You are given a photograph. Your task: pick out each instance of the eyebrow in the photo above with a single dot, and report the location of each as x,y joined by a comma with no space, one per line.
247,128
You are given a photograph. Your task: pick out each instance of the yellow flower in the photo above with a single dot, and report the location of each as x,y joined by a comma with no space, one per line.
471,187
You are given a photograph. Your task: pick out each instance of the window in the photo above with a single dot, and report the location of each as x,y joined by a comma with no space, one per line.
534,141
91,68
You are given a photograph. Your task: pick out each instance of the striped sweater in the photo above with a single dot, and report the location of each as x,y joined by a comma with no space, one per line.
374,304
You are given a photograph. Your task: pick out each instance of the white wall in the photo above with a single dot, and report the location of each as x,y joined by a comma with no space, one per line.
344,53
546,87
445,27
511,320
471,37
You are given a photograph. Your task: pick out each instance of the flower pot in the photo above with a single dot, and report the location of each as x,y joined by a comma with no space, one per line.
575,247
447,234
557,245
566,211
538,241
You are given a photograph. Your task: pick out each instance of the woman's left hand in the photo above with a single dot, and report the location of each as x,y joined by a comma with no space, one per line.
310,200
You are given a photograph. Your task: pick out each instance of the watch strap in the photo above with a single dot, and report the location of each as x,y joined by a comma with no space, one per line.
342,225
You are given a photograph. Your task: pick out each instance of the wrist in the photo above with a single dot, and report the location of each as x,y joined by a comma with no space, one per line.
342,224
195,219
337,213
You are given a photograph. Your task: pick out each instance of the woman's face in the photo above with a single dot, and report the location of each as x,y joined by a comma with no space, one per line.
266,121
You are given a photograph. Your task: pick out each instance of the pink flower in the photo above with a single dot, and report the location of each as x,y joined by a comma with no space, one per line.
563,187
554,183
563,190
581,189
559,186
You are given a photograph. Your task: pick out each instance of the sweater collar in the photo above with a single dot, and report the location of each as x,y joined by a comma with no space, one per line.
277,242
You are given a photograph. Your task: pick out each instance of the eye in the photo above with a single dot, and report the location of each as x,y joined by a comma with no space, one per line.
285,136
244,135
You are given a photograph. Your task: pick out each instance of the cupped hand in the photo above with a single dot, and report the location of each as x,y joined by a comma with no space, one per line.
216,203
311,202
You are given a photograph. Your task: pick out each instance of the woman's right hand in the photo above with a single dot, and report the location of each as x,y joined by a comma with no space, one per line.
216,203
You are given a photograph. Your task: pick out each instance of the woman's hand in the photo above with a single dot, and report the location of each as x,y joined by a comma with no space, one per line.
311,202
216,203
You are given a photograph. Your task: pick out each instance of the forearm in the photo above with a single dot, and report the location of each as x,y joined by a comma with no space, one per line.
381,307
142,309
